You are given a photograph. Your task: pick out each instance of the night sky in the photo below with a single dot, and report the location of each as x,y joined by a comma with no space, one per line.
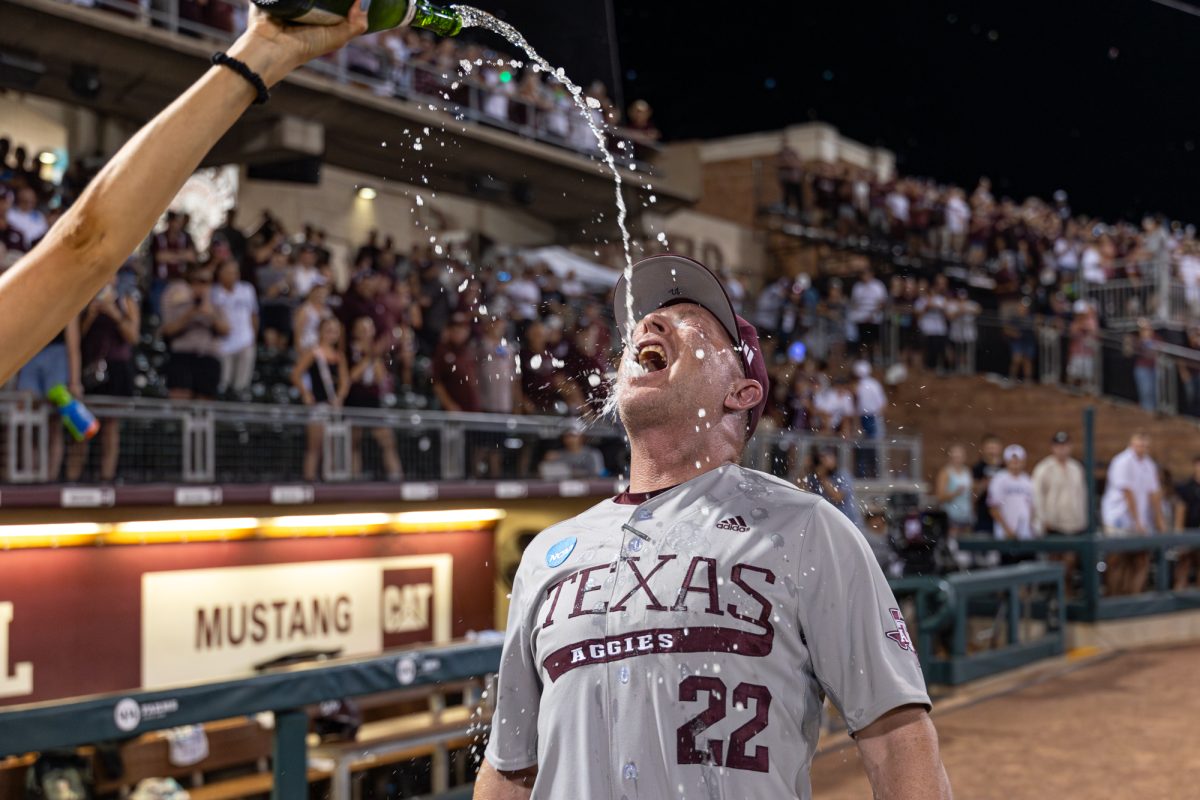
1098,98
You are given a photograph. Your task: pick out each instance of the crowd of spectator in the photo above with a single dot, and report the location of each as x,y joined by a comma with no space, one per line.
1007,242
461,72
999,496
1037,265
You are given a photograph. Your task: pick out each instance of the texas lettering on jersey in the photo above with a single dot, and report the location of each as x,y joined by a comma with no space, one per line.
697,589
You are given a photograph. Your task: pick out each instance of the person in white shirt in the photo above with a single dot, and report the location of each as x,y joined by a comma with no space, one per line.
1060,495
897,206
1092,265
572,287
25,217
963,312
932,310
238,301
1189,273
1010,500
525,295
871,401
958,219
834,406
867,301
1131,506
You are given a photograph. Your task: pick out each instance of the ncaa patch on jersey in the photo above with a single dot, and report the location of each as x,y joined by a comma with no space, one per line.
560,552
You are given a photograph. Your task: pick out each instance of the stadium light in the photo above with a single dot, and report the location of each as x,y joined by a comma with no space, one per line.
49,535
186,525
323,524
367,193
182,530
449,519
48,158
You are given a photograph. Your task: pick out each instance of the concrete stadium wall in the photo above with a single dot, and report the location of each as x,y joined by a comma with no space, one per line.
334,205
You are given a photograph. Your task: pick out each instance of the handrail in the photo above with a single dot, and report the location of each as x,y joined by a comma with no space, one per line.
115,715
431,445
946,603
1094,606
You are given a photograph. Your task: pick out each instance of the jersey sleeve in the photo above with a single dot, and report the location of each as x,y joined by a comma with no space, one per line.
513,741
861,652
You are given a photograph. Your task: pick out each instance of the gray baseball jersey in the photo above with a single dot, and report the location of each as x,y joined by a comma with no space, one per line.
682,647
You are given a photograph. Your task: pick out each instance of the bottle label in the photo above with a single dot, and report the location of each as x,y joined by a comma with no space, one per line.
319,16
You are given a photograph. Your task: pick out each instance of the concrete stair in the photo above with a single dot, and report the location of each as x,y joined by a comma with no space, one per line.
963,409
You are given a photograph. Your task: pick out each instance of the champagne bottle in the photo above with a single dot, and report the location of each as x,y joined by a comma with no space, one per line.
381,14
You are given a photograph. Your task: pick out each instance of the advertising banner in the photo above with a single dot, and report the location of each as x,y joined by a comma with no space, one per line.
82,620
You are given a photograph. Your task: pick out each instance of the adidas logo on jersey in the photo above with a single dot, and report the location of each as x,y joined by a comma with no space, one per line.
733,524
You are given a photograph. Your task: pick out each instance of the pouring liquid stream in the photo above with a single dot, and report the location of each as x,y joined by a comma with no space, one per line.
474,18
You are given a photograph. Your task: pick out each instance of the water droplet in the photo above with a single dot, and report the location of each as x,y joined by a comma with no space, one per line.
700,353
701,413
535,361
630,771
420,200
623,674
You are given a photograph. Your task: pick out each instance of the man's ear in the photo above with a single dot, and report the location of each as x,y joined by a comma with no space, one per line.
744,395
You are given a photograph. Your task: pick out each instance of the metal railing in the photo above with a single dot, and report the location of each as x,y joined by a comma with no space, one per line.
1122,303
1020,629
1102,365
286,693
169,441
370,65
1093,605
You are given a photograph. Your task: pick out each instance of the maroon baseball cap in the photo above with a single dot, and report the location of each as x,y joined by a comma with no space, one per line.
668,279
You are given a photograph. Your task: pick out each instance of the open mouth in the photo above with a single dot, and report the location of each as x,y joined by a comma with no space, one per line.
652,358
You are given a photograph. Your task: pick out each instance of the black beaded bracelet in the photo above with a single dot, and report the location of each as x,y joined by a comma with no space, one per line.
255,80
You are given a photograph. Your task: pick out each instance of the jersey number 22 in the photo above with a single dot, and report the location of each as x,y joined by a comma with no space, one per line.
738,758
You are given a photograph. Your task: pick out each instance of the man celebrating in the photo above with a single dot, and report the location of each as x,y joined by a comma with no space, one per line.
677,640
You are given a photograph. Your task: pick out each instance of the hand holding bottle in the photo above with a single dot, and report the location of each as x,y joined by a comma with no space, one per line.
273,48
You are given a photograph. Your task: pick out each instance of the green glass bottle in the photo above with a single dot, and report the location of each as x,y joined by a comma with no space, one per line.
381,14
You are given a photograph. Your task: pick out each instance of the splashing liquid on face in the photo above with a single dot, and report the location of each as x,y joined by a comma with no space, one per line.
474,18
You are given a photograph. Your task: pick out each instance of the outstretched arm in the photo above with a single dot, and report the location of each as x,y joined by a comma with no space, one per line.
55,280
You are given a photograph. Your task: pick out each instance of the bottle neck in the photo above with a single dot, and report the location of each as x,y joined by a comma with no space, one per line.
441,20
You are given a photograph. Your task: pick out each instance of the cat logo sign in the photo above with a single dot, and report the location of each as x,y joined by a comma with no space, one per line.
406,608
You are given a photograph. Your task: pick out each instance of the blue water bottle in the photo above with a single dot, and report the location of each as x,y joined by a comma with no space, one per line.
76,417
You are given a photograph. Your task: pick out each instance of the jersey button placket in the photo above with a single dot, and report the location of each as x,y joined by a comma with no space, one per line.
620,674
